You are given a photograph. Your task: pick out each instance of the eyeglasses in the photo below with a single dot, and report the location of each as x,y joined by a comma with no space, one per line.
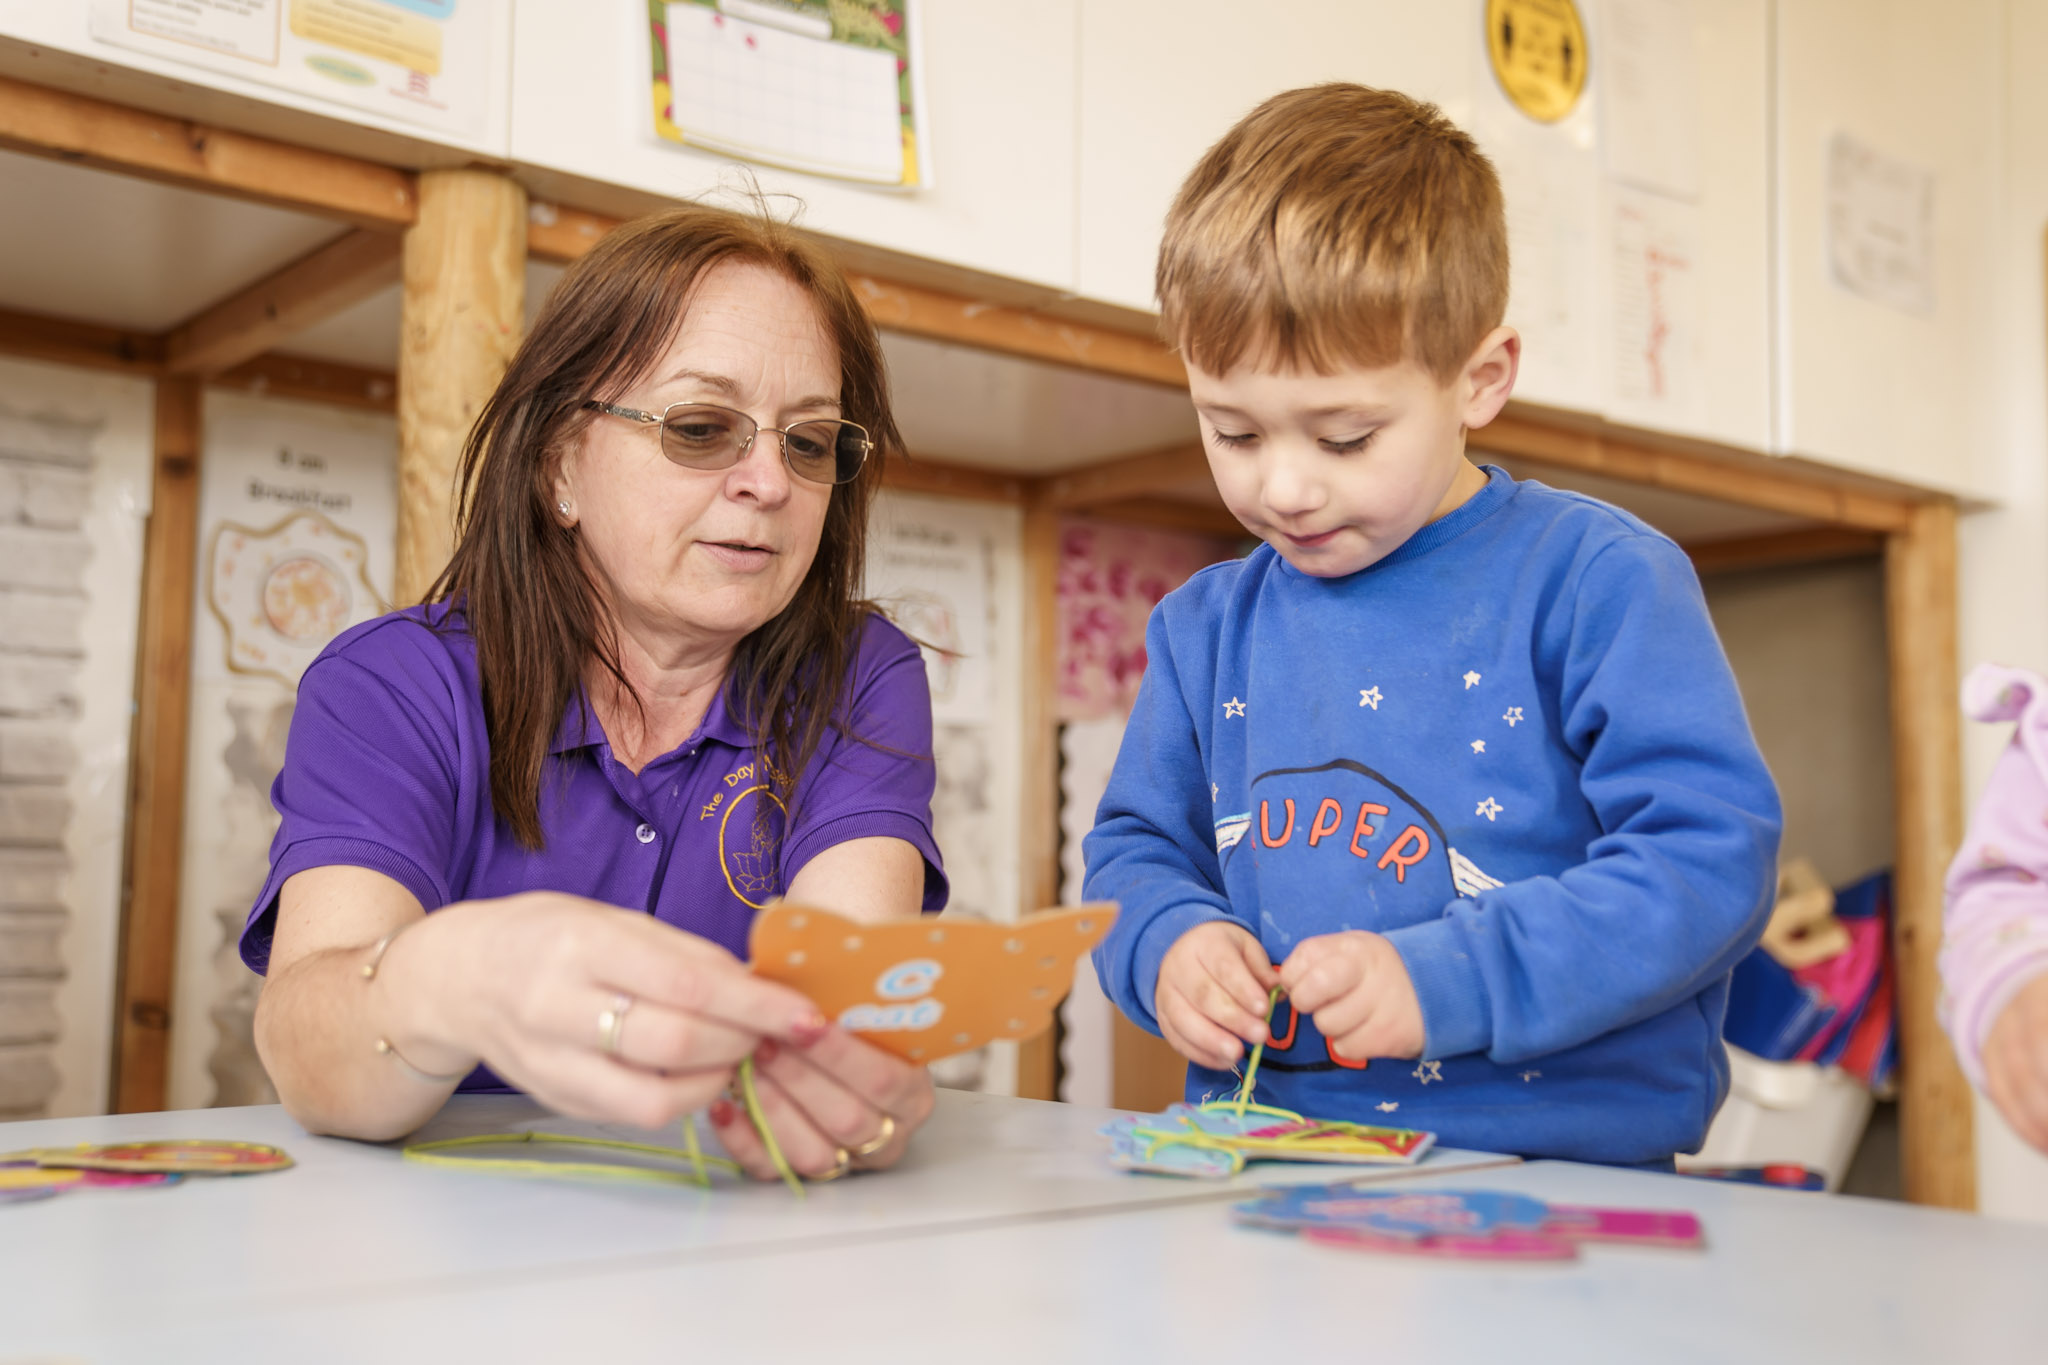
706,436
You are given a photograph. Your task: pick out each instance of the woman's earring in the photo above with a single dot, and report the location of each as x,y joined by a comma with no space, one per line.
563,507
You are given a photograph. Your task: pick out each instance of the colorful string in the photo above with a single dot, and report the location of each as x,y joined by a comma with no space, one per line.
1251,1070
435,1153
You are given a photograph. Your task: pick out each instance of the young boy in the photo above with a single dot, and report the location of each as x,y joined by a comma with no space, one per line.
1460,754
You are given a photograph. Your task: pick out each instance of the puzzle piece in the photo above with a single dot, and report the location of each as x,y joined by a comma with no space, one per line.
183,1156
926,989
1215,1140
1488,1223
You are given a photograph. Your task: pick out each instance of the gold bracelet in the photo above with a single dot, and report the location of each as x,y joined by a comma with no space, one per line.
383,1045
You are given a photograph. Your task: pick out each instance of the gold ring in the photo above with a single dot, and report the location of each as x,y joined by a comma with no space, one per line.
839,1168
879,1140
611,1022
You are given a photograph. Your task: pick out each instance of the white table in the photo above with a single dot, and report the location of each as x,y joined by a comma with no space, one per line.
121,1273
1006,1237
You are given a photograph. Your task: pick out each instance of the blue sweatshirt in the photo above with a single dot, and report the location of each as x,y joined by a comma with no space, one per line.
1513,747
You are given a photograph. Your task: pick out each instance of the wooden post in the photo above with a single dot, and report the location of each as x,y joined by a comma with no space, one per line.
156,783
1038,1058
1938,1149
464,305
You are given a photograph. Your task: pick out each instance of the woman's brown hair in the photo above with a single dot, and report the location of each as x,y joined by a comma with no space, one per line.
516,576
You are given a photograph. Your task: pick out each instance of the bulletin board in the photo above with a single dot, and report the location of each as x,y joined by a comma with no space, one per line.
824,87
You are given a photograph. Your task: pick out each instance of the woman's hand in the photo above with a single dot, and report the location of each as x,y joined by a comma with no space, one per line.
835,1104
838,1094
525,984
2016,1062
522,983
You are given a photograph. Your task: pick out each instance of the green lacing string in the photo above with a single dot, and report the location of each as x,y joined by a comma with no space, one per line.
436,1153
760,1121
1251,1070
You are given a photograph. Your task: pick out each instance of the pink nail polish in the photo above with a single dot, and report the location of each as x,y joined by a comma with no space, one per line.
809,1029
721,1111
766,1051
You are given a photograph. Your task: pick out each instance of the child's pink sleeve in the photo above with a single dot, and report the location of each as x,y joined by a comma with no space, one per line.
1996,931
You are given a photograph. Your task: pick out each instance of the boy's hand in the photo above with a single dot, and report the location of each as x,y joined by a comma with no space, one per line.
1356,988
2016,1062
1213,985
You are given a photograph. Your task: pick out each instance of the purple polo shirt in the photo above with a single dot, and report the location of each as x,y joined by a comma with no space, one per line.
388,767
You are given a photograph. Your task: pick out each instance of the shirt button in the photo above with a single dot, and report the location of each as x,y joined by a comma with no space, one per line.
645,834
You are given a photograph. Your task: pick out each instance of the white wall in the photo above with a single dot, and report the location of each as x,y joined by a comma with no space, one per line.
1863,383
1154,95
1056,136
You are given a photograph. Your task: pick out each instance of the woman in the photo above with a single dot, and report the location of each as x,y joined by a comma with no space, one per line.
525,827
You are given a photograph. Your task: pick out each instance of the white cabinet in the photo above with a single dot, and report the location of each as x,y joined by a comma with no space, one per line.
999,91
1160,82
1862,382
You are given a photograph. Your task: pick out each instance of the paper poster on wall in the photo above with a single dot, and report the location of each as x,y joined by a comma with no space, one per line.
1656,308
297,522
74,494
427,62
1880,226
824,86
949,574
934,578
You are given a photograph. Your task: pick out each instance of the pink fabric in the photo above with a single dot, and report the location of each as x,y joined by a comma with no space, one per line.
1996,936
1110,579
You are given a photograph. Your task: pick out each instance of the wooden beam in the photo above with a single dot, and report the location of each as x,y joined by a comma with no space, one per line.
283,375
561,234
325,281
156,782
917,474
1039,839
1131,476
1747,479
1022,332
1783,549
61,341
1937,1138
113,137
1172,514
465,294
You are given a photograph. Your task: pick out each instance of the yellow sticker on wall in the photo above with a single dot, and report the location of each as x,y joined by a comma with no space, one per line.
1538,52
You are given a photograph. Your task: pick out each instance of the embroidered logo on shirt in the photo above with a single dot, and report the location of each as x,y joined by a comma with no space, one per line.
746,851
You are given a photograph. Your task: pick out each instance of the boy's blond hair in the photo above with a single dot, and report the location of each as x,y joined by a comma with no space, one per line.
1336,225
